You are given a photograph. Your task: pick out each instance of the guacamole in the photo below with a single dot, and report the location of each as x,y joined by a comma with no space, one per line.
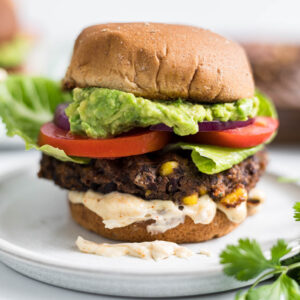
12,53
101,113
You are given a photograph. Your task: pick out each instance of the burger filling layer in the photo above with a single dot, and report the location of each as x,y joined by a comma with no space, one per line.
165,176
165,188
101,113
120,210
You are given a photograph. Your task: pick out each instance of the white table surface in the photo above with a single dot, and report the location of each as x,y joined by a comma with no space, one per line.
14,286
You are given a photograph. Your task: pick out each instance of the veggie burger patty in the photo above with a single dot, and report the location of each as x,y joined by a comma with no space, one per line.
170,176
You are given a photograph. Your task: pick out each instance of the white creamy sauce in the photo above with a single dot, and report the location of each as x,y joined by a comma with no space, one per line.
257,194
235,214
156,250
119,210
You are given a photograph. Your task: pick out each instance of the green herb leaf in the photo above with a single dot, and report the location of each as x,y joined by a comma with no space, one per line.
294,273
285,179
245,260
284,288
297,211
240,296
278,251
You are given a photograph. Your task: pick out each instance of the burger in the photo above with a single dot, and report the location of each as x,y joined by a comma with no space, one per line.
157,132
14,44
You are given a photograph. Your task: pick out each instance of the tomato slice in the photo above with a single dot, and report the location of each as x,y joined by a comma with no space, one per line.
135,143
249,136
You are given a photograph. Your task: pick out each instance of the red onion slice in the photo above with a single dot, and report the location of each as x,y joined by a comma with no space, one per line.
218,125
209,126
60,118
161,127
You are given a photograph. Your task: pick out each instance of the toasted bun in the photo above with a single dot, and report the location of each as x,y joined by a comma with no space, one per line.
8,20
188,232
160,61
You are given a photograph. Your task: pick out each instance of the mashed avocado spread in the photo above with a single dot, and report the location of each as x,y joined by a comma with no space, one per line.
12,53
100,112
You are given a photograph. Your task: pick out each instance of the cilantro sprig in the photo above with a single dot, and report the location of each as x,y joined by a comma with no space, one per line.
246,261
285,179
297,211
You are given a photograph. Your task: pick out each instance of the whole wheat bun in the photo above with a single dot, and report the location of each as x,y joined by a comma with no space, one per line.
8,20
160,61
188,232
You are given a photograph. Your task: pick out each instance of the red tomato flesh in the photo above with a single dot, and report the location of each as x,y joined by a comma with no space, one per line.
249,136
138,142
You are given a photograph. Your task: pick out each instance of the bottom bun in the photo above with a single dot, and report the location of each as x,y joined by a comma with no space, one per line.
187,232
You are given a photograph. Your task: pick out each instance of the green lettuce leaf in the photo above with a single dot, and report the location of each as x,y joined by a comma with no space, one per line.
13,53
26,103
213,159
266,107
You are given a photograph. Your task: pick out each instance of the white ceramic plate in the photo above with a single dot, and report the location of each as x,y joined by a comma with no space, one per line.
13,163
37,239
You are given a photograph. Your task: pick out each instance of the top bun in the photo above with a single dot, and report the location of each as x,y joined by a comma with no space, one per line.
8,20
160,61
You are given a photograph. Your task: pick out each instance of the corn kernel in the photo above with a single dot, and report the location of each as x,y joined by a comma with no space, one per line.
240,194
202,190
168,167
190,200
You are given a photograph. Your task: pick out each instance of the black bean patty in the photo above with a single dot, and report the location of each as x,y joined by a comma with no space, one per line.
140,176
